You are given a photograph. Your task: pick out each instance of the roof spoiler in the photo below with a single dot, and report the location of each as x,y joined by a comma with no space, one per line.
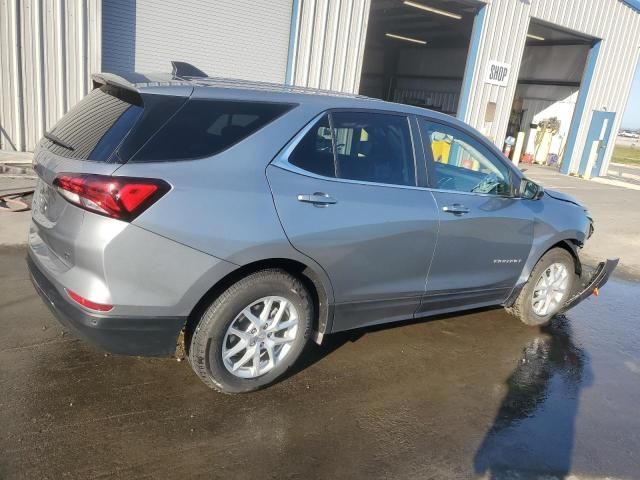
128,91
112,79
184,69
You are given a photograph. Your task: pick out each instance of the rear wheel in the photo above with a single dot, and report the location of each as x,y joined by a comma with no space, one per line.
550,285
252,333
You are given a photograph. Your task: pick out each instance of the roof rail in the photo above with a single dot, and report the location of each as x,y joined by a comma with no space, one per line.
184,69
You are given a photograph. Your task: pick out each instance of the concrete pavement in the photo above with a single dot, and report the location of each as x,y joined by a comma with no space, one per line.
16,163
14,225
465,396
625,173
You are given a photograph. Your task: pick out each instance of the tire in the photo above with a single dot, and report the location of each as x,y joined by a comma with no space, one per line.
523,307
212,335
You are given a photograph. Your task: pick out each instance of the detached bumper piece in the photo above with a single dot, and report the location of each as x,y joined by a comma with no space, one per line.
144,336
597,280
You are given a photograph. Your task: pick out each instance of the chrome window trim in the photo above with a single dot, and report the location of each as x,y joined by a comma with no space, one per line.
282,161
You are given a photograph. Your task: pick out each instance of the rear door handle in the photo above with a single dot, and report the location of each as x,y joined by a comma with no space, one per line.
456,209
318,199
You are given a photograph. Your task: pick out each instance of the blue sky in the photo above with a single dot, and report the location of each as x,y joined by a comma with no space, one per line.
631,117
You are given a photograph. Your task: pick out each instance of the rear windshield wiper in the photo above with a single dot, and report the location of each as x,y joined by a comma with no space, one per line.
57,140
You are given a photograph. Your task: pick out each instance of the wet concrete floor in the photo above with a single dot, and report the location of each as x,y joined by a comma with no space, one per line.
472,395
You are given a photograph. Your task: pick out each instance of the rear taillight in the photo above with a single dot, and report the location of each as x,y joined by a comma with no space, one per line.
123,198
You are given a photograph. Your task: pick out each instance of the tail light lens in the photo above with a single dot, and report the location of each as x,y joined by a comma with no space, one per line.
123,198
99,307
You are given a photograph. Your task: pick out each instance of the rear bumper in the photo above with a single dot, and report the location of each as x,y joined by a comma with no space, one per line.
145,336
597,280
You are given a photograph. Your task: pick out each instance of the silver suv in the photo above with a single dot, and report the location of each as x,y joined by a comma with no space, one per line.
253,217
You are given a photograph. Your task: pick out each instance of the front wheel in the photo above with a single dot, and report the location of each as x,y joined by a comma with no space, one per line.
252,333
550,285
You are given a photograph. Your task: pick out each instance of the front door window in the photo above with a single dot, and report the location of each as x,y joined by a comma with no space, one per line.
462,164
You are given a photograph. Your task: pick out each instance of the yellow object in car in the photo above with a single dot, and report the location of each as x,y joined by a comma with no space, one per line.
440,150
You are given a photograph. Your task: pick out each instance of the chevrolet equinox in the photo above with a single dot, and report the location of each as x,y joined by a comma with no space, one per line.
253,217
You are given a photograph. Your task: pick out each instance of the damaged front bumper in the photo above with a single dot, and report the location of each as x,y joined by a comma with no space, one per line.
597,280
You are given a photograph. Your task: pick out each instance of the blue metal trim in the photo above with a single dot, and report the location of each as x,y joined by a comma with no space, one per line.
472,59
633,4
597,119
293,38
597,168
589,70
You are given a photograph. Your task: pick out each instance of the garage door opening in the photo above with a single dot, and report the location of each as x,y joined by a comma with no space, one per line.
416,51
549,81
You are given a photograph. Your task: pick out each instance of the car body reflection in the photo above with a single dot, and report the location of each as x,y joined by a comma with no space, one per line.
532,435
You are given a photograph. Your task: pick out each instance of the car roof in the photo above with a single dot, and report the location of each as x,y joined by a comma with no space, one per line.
219,87
193,83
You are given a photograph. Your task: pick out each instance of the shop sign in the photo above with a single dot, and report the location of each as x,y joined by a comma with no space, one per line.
497,73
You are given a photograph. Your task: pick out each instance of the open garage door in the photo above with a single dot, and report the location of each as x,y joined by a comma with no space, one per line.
416,51
549,82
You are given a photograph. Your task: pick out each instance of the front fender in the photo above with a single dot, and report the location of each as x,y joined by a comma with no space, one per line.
556,222
568,240
532,260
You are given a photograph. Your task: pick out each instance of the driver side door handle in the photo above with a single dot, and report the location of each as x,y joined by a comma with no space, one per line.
456,209
318,199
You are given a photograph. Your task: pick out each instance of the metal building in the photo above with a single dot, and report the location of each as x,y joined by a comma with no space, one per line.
48,49
500,65
553,74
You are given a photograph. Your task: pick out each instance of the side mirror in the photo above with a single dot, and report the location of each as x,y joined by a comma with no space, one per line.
531,190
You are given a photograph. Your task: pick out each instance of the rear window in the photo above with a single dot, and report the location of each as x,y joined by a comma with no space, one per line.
96,126
206,127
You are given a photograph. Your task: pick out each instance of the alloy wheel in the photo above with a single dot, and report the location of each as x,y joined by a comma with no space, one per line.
550,289
260,337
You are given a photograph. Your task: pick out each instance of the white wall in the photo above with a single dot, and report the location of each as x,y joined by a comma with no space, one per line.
225,38
330,44
47,51
539,107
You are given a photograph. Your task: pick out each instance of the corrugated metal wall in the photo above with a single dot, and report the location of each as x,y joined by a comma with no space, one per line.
48,48
503,39
226,38
330,44
331,36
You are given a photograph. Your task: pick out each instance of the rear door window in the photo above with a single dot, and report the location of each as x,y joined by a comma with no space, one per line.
96,126
314,153
370,147
374,147
202,128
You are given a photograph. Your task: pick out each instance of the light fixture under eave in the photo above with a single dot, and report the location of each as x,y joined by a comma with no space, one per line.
406,39
432,10
535,37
